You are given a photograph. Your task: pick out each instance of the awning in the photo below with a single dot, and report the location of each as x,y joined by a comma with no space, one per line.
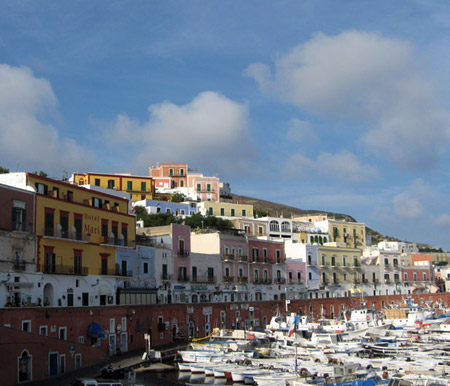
358,290
95,331
104,290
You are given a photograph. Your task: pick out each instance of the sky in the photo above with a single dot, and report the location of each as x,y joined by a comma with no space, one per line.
339,106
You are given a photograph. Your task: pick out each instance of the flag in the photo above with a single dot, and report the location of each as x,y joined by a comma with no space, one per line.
292,330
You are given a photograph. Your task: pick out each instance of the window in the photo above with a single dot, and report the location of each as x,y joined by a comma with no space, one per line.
125,234
77,261
208,187
26,325
181,172
164,272
97,182
41,188
78,224
110,184
244,212
222,211
333,260
171,172
210,211
63,333
199,187
49,221
323,259
232,212
104,237
145,268
50,260
309,275
43,330
96,202
115,230
143,186
415,276
425,276
64,224
18,216
129,185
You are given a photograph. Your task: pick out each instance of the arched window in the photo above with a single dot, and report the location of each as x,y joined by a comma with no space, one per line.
274,226
285,226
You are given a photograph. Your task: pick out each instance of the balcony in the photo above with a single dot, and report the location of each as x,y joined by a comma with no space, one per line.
228,256
183,278
166,277
63,269
296,281
242,258
182,253
242,279
127,273
19,265
228,279
203,190
279,280
203,279
61,234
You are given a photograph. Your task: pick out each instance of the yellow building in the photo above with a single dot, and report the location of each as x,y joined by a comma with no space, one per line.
225,209
77,229
140,188
339,264
353,234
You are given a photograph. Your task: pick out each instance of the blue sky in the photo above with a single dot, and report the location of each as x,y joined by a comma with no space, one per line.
331,105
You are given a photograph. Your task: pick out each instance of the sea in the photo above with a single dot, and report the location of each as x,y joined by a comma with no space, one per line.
175,378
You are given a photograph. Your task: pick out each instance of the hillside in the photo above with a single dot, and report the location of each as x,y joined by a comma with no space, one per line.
280,210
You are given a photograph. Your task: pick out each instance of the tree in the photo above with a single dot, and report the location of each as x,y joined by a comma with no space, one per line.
199,221
41,173
178,197
3,170
260,213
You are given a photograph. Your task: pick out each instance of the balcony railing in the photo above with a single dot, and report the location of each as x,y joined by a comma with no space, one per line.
19,265
242,279
279,280
182,253
166,276
203,279
228,256
63,269
61,234
127,273
228,279
242,258
183,278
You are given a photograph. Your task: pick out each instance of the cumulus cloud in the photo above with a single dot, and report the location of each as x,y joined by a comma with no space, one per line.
443,220
26,139
344,165
210,130
300,131
368,79
407,207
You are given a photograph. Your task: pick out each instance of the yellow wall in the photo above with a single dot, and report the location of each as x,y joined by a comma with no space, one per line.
120,183
344,273
351,229
89,240
227,209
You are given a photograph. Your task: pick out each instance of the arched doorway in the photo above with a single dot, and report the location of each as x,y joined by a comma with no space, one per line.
48,295
25,366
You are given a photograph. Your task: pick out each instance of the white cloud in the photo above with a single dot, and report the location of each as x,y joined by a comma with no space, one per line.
407,207
345,166
443,220
368,79
210,130
300,131
26,139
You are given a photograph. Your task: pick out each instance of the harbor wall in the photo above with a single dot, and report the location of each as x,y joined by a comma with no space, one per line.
39,342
